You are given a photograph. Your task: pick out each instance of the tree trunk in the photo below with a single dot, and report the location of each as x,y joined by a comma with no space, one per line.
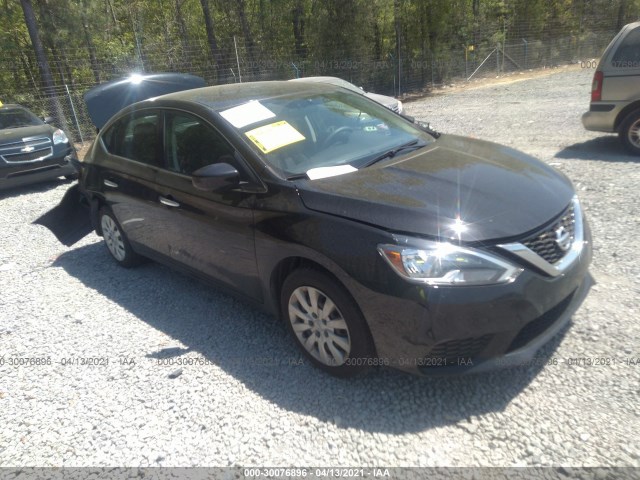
28,72
398,27
93,60
116,23
298,29
136,28
246,33
621,14
211,36
476,15
43,63
49,40
184,38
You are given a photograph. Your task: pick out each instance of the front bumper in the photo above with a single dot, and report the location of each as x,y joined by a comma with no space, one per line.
25,173
602,116
452,330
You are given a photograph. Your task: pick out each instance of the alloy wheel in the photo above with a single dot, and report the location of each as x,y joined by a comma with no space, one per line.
633,134
319,326
113,238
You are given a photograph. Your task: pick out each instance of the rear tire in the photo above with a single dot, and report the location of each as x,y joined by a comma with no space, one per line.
629,133
326,323
116,241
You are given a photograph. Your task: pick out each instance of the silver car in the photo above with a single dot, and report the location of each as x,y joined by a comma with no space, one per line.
389,102
615,94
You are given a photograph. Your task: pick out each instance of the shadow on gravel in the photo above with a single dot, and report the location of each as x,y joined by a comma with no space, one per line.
607,148
39,187
257,350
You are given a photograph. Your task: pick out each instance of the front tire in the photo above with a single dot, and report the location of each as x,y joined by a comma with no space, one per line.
116,241
326,323
630,133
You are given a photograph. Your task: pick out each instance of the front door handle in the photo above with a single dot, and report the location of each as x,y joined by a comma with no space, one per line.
168,202
109,183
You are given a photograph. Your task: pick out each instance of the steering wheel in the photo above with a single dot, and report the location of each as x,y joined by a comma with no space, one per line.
334,135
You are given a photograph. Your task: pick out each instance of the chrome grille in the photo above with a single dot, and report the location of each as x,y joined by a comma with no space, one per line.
544,243
37,148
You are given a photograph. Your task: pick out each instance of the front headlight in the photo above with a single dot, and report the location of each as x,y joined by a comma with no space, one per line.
59,137
441,263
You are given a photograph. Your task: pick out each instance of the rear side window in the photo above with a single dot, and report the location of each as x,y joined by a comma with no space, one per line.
136,137
627,55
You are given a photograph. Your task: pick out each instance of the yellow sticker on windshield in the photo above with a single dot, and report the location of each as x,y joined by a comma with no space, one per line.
274,136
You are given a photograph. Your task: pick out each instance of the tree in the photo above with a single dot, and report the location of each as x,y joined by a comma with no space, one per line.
183,34
298,29
211,35
43,63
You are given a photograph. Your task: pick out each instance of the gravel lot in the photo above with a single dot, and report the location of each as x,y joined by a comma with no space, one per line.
248,399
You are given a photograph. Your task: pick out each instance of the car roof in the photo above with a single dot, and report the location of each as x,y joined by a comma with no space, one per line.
331,80
221,97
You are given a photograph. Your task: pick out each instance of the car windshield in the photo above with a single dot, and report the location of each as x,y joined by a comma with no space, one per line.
17,117
298,133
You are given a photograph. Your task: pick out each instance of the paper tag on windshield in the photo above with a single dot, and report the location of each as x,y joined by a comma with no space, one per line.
246,114
273,136
323,172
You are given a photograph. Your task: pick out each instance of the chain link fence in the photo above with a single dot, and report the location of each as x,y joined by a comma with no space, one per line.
67,108
395,75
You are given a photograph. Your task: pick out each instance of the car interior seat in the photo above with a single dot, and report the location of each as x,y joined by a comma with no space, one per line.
145,144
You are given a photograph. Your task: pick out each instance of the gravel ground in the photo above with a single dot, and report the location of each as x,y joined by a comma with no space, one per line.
248,399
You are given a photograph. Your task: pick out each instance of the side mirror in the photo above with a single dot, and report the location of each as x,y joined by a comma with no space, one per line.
217,176
47,119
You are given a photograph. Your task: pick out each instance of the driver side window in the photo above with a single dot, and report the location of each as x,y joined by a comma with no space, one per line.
191,144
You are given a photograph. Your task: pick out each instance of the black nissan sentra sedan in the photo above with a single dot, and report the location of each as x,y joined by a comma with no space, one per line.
377,241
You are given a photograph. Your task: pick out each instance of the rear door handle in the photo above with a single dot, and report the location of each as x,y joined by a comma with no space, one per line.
168,202
109,183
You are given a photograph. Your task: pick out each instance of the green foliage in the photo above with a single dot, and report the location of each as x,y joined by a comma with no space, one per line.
366,41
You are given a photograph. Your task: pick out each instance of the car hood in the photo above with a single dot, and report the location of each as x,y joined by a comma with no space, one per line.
107,99
457,188
10,135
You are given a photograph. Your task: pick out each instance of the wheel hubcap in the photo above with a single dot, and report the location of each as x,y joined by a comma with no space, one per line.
319,326
113,238
634,134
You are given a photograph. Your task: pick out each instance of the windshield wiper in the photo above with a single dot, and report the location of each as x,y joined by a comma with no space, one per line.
297,176
414,144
